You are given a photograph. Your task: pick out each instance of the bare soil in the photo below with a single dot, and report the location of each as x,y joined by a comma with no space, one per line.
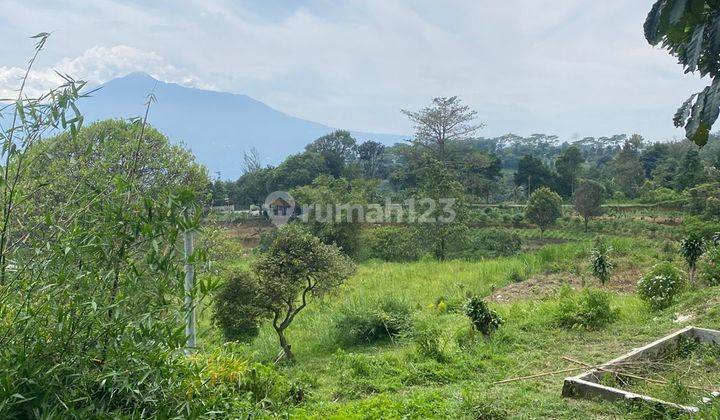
544,285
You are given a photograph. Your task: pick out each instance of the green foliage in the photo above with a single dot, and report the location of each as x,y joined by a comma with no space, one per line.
601,265
688,30
532,174
324,216
482,317
441,226
296,267
588,200
494,243
588,310
391,243
429,340
370,323
691,248
709,266
544,208
661,285
235,311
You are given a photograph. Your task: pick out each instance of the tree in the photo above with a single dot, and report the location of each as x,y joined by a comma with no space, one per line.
568,166
442,123
440,199
690,31
690,172
544,208
479,172
332,209
299,169
629,173
692,249
588,200
338,149
296,267
533,174
370,155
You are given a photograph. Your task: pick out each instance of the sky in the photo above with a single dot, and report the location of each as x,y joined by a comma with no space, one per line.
572,68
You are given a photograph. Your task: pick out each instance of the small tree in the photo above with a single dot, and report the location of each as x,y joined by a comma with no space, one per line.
588,200
296,266
600,259
692,249
482,317
544,208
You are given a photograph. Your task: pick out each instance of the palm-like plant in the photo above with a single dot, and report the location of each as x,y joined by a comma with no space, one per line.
692,249
600,261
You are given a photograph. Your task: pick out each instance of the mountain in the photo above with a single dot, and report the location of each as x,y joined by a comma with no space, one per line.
216,126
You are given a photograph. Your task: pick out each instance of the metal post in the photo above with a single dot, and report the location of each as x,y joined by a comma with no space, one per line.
189,284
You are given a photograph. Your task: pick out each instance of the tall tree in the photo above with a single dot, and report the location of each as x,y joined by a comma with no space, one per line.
569,166
445,121
440,201
337,149
588,199
690,31
370,154
690,172
628,171
532,173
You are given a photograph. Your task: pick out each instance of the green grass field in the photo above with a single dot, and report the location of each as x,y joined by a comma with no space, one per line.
395,379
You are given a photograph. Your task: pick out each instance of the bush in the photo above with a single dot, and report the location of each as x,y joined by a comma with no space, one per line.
482,317
363,325
710,266
589,309
495,243
234,312
391,243
661,285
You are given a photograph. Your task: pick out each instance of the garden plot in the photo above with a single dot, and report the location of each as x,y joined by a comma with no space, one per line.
678,371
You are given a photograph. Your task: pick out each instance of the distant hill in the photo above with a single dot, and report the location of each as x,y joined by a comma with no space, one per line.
216,126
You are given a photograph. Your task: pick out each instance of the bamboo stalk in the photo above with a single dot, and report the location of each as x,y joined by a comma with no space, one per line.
537,375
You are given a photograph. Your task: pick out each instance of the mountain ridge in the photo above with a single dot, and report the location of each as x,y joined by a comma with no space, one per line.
216,126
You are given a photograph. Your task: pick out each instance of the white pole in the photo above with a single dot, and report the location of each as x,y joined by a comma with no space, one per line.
189,284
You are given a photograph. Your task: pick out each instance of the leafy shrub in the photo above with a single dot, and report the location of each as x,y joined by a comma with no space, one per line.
391,243
660,285
363,325
234,312
482,317
709,266
495,243
589,309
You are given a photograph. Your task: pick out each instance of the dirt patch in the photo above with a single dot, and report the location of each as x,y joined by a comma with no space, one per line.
543,285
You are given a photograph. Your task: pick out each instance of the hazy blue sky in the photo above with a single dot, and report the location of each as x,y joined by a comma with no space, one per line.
566,67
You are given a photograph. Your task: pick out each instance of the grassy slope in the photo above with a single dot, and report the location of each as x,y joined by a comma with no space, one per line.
392,380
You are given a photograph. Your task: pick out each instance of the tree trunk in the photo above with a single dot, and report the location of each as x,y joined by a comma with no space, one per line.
692,274
284,344
586,224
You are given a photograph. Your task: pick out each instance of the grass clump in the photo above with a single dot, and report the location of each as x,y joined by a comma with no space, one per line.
588,310
661,285
378,322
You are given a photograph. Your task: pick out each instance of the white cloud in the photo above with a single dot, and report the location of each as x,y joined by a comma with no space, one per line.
96,65
556,66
